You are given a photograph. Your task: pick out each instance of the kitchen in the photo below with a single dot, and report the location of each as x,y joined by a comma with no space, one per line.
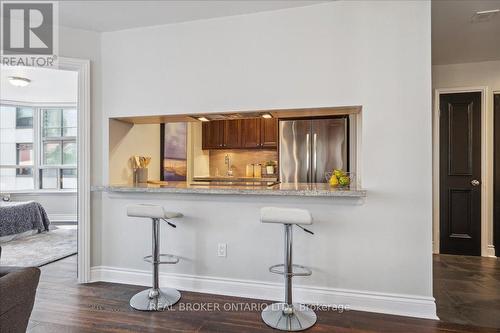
363,236
292,151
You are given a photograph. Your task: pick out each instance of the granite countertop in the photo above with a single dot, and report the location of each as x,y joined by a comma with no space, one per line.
263,179
282,189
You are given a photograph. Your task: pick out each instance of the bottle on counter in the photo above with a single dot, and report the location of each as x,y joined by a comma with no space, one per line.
257,171
249,170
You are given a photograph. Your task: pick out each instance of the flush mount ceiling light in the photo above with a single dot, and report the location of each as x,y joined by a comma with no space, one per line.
267,116
485,15
203,119
18,81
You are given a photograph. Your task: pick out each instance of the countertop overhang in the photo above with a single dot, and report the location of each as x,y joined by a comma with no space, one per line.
282,189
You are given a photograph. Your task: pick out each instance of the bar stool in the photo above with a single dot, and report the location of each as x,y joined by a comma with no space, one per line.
288,316
155,298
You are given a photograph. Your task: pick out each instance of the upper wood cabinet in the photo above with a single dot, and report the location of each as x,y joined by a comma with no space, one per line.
250,133
240,134
232,134
212,135
269,132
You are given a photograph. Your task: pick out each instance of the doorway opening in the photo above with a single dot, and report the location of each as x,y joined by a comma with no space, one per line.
38,165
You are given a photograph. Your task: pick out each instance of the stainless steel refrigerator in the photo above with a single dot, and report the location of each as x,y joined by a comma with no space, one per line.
310,148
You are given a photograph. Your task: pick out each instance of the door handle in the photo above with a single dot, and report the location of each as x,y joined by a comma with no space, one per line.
475,182
308,157
315,158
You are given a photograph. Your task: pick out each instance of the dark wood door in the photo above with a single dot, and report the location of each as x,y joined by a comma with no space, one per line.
232,133
250,133
213,134
269,133
460,173
496,218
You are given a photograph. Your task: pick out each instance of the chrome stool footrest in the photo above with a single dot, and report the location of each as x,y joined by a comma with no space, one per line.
288,317
155,300
297,270
164,259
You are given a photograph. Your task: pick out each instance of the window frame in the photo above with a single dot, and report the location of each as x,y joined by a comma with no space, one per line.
56,139
18,108
37,143
18,163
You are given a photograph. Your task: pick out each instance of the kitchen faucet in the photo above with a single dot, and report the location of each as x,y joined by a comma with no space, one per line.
229,171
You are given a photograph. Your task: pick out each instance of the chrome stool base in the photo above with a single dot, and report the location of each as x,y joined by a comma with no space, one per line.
282,317
165,298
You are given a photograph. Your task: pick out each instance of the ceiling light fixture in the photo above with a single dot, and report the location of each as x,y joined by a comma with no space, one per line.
18,81
267,116
484,15
203,119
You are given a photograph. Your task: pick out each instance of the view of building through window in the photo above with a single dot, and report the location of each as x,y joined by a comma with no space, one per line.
38,148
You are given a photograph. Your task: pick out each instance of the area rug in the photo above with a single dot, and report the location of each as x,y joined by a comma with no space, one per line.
39,249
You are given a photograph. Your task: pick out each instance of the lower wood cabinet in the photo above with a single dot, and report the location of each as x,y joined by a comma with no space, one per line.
255,133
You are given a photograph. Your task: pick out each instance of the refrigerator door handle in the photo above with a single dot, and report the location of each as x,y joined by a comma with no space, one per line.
315,157
308,158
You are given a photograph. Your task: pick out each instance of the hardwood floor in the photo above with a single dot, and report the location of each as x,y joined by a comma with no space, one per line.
467,290
64,306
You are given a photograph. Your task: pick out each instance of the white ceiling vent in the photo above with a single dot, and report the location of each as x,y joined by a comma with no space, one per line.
484,16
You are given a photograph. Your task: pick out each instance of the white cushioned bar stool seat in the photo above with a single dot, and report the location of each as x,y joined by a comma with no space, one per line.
151,211
155,298
285,215
288,316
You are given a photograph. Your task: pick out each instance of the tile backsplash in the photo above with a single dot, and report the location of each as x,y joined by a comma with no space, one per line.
239,160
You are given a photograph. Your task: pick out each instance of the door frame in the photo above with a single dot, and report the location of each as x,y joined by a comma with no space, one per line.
82,67
496,220
487,249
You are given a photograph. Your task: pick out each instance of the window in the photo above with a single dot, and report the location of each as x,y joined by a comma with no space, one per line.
16,148
59,122
37,148
58,148
24,117
24,158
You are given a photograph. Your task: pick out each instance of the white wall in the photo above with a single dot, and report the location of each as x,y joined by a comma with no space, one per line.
475,75
374,54
75,43
60,207
127,140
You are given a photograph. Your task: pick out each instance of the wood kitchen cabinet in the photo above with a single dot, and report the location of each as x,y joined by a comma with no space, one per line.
240,134
212,135
250,133
269,133
232,134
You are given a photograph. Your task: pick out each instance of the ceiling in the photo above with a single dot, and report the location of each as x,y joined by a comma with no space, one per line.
104,16
456,38
47,85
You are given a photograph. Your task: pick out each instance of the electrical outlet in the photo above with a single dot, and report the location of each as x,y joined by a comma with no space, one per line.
222,250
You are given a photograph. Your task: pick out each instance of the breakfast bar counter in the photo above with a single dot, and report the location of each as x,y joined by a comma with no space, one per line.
280,189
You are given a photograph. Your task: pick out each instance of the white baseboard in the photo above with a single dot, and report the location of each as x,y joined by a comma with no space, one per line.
62,217
396,304
490,251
